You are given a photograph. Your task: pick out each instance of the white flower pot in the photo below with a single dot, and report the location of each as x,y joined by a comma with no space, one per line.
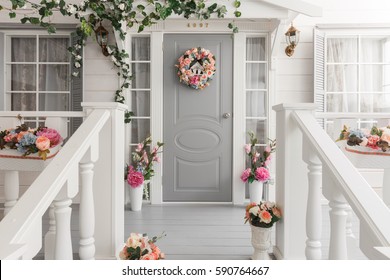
136,195
261,242
255,191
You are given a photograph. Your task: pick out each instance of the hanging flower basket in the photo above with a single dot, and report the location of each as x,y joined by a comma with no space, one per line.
196,68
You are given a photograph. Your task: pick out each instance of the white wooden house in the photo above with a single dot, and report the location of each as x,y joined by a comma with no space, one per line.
341,42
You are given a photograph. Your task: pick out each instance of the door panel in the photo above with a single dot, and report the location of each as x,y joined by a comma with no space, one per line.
197,138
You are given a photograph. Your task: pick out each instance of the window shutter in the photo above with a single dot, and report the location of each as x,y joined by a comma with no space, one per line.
76,89
319,73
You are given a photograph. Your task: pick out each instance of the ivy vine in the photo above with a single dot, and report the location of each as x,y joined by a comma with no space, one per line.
120,14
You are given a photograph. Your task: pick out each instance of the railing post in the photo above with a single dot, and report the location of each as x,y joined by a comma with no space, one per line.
11,189
291,183
87,207
50,237
109,216
338,218
62,212
314,212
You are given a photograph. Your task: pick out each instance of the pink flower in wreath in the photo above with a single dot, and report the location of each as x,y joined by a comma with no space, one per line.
265,217
52,134
245,175
134,178
194,80
262,174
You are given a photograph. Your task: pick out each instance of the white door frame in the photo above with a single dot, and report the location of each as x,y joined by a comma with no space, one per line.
156,33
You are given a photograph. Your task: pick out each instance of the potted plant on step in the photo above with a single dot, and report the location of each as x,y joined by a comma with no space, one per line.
261,218
257,175
141,171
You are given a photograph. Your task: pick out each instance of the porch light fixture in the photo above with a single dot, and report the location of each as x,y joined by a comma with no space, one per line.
102,38
292,40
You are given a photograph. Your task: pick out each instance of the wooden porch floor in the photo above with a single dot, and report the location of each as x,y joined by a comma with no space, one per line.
200,231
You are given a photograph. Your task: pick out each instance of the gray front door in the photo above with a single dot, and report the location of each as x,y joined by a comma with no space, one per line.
197,154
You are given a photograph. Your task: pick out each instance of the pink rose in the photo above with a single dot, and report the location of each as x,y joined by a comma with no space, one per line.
146,257
42,143
265,217
267,149
52,134
245,175
134,178
372,141
194,80
262,174
247,148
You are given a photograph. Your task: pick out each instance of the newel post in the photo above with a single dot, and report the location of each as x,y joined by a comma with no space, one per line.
291,188
108,180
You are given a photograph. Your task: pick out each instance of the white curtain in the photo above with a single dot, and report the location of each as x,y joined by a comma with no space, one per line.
348,79
52,77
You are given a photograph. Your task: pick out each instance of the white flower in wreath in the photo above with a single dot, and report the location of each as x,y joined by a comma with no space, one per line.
121,6
71,9
77,64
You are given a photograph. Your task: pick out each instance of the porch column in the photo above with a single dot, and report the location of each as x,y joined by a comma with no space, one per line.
109,173
291,183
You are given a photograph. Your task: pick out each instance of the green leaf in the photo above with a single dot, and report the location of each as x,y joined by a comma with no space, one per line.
237,13
141,7
230,25
1,7
237,4
141,28
34,20
12,14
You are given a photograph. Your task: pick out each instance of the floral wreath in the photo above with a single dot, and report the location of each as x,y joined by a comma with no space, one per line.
196,68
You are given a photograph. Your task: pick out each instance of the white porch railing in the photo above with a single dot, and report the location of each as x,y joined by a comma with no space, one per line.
298,236
96,152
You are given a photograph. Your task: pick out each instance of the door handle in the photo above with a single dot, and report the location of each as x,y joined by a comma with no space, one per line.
226,115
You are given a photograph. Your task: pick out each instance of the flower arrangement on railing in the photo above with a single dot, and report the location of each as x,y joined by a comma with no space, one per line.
140,247
374,138
141,168
30,141
264,214
259,162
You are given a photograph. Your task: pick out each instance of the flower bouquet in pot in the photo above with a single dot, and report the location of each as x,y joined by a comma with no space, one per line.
257,174
141,171
261,218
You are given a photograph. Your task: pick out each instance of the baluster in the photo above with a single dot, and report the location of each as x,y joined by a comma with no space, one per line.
314,212
87,209
62,212
338,219
50,236
11,189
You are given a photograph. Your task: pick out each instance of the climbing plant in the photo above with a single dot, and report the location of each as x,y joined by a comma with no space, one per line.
119,14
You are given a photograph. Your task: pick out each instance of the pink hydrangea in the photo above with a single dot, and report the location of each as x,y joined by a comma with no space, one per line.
52,134
134,178
262,174
245,175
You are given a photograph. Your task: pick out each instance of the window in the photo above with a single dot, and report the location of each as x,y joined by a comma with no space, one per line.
356,73
37,73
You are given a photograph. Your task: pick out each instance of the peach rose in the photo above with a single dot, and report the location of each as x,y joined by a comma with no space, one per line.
265,217
42,143
385,137
21,134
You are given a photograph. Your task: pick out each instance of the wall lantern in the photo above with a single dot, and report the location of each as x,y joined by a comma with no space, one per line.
292,40
102,38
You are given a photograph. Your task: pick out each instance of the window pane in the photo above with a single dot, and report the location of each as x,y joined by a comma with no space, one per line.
255,49
23,77
54,77
258,127
255,76
140,103
53,102
23,50
342,102
255,104
140,48
375,49
342,78
141,73
23,102
375,78
342,50
53,50
140,129
375,103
